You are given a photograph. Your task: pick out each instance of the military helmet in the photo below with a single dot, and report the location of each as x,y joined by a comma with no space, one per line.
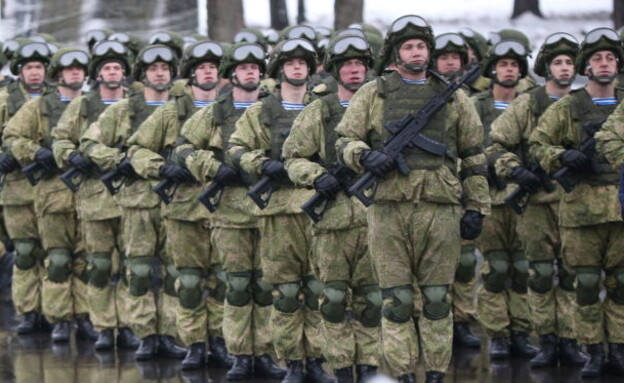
324,31
250,35
343,48
9,48
200,52
408,27
171,39
292,48
476,41
151,54
133,43
31,51
43,38
506,49
94,36
271,36
67,57
511,34
106,51
367,28
451,43
243,52
298,32
559,43
597,40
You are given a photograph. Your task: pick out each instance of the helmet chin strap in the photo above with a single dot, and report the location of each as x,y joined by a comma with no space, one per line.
158,87
210,85
248,86
415,68
293,81
34,87
71,85
505,83
604,80
562,82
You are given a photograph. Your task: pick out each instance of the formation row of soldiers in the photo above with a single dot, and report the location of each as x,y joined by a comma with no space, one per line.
357,287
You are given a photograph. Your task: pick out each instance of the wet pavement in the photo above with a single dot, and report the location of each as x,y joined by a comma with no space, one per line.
35,359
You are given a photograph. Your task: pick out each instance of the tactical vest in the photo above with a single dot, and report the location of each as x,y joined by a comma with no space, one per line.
401,99
583,110
539,102
51,108
225,117
488,113
15,99
138,111
185,106
332,114
92,106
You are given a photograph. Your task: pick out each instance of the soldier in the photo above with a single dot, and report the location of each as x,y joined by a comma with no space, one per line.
28,63
503,312
28,135
589,216
256,148
551,307
234,236
100,216
151,315
414,236
339,245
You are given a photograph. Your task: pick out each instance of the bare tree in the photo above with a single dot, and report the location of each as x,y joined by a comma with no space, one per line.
348,12
301,17
618,14
225,18
279,14
521,6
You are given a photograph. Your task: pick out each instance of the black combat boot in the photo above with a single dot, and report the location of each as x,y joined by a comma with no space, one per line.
265,367
407,378
570,353
344,375
294,371
315,372
434,377
127,339
61,332
548,354
105,340
195,357
29,323
84,328
168,348
219,356
463,336
615,363
365,372
519,345
596,363
148,348
241,369
499,348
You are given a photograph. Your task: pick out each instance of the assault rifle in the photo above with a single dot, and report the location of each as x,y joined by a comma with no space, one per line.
211,196
519,198
116,178
35,172
315,207
261,192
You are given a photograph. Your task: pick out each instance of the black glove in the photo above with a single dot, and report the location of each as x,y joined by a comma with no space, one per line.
471,224
8,163
327,185
574,159
274,169
45,157
376,162
526,179
225,174
79,162
176,173
125,168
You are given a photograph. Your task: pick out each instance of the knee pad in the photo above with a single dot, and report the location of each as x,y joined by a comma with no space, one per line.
238,286
59,265
566,277
171,275
368,314
617,294
100,267
587,285
334,301
286,297
399,309
189,287
541,276
140,275
261,290
24,254
312,289
221,278
467,262
494,281
520,273
436,303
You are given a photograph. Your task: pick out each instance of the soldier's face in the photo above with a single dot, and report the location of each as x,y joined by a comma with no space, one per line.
562,67
414,51
507,70
352,72
111,72
207,72
295,68
448,62
158,73
33,72
603,64
247,73
73,74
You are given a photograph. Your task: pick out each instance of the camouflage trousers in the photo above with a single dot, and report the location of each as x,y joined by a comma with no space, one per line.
463,292
246,328
502,306
414,245
144,238
342,256
552,311
285,258
598,248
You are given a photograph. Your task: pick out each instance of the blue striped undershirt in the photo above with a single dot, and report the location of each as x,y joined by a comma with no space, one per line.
292,105
344,103
501,105
243,104
201,104
34,95
414,82
155,103
64,99
604,101
554,97
111,102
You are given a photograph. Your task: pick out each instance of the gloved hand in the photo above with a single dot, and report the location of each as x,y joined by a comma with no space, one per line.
79,162
471,224
274,169
621,192
376,162
45,157
327,185
176,173
574,159
526,178
225,174
8,163
125,168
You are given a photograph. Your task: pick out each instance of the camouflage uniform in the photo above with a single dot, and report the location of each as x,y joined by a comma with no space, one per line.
422,209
